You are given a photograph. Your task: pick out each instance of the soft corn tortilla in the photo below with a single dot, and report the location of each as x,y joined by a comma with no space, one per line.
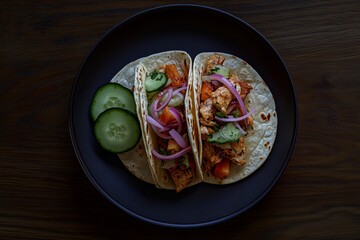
259,140
134,160
184,63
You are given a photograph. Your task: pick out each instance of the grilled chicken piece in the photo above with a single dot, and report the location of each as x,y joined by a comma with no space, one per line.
206,132
212,61
210,156
241,86
207,123
250,121
221,99
181,177
245,89
207,110
237,152
234,80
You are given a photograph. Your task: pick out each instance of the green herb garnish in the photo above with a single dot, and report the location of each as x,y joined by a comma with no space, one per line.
220,114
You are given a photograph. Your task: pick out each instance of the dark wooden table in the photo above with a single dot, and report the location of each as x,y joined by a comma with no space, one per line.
44,194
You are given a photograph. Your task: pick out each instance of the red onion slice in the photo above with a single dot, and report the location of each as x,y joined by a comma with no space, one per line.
169,92
171,157
172,124
177,116
178,138
216,84
155,123
238,126
161,134
209,79
179,90
152,111
232,106
232,119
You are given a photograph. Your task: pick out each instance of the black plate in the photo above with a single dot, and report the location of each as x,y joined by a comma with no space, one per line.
193,29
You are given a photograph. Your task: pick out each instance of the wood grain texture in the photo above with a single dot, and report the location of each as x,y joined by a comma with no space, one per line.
44,194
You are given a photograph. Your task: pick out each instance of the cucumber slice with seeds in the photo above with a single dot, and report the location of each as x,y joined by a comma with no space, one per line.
219,69
117,130
112,95
227,133
155,81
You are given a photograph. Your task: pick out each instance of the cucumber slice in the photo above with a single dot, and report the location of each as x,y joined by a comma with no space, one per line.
112,95
117,130
176,100
155,81
227,133
219,69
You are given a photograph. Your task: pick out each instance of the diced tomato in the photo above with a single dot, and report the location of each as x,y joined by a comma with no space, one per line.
206,90
173,74
173,146
166,117
222,169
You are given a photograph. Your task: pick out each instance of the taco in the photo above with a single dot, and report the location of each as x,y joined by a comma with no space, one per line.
163,81
134,160
235,117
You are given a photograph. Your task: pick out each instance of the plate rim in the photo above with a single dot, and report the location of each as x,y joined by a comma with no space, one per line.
80,158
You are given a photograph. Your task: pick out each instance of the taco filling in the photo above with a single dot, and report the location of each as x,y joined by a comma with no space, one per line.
166,87
224,118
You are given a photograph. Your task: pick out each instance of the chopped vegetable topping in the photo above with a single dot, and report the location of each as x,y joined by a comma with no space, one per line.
222,111
166,118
